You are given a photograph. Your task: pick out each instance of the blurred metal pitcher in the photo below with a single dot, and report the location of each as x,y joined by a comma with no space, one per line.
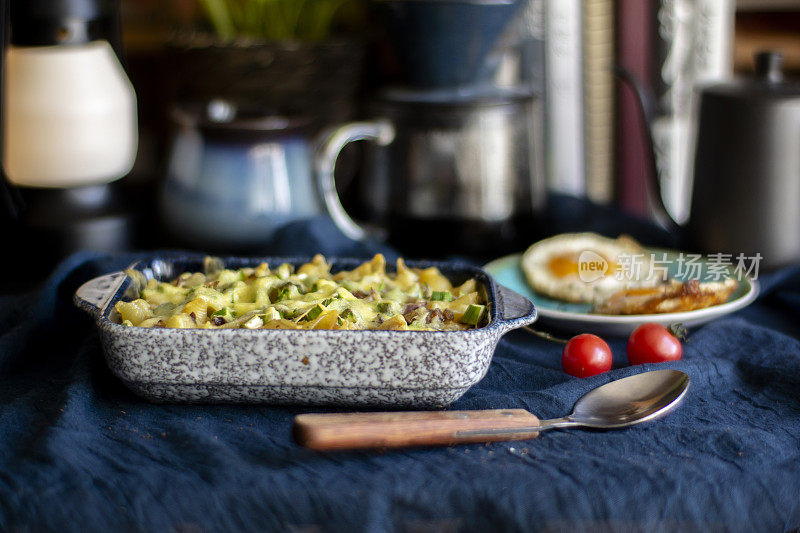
458,171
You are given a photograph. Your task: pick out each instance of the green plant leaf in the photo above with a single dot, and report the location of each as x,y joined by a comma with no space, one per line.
272,20
218,14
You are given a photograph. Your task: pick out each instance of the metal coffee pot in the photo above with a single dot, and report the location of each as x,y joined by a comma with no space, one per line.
447,171
746,172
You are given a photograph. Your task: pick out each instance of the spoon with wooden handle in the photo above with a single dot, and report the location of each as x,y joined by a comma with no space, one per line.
617,404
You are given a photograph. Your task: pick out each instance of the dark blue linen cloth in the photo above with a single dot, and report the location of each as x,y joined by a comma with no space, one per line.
78,452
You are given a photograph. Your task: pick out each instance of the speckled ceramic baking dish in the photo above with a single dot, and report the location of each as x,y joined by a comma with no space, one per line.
312,367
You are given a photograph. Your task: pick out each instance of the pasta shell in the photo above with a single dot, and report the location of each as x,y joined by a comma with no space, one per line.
135,312
198,309
181,320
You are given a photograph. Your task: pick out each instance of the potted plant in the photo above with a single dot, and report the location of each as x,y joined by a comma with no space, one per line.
284,56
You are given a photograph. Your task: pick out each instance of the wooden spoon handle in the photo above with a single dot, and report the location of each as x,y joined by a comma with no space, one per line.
342,431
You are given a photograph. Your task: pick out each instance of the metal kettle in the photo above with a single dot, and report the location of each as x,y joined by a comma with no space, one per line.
746,172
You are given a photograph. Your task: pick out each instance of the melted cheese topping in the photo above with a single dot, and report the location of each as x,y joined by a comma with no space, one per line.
309,297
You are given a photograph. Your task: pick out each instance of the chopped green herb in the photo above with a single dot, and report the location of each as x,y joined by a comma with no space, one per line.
349,314
272,314
314,312
226,313
283,294
253,323
441,296
473,314
385,307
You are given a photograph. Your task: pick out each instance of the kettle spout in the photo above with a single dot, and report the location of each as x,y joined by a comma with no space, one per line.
648,109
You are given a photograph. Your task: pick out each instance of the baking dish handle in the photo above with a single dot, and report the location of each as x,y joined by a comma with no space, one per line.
513,309
94,295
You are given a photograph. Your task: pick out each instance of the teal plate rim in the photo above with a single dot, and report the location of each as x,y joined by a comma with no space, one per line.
507,271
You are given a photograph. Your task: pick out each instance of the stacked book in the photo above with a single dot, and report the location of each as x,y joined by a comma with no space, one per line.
596,143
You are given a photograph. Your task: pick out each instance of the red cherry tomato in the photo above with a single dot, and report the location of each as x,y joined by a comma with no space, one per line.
653,343
586,355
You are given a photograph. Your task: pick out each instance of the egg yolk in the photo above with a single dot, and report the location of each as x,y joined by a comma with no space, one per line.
563,265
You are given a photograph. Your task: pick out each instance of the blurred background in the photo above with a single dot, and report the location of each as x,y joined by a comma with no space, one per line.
443,127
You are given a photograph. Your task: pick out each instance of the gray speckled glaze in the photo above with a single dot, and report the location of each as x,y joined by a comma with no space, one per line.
311,367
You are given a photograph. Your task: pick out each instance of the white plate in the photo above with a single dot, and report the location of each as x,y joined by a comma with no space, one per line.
577,318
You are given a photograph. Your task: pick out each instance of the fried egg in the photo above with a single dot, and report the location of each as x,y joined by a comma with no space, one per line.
673,297
587,267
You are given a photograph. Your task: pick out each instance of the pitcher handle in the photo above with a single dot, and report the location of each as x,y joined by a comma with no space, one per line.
380,131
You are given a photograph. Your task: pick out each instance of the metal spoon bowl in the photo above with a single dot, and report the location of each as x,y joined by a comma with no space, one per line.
617,404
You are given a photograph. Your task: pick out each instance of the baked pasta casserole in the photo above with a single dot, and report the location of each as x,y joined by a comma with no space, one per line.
308,297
